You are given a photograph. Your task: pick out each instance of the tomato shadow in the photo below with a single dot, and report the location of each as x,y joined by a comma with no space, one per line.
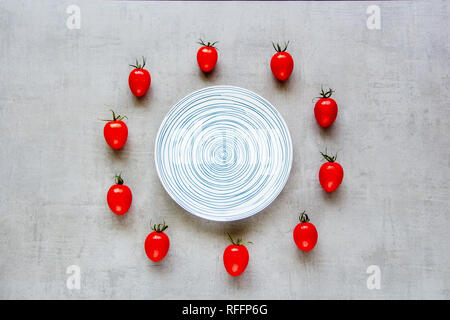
161,267
118,157
117,152
145,100
332,196
121,222
288,85
335,197
326,133
282,85
123,218
307,258
240,281
209,76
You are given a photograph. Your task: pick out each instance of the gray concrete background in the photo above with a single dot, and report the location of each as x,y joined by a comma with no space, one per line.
392,133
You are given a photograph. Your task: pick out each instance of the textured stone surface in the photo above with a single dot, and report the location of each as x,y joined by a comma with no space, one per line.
392,134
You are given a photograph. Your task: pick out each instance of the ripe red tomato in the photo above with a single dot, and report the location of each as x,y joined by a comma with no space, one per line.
326,109
235,257
305,234
119,197
116,132
157,243
282,63
330,174
207,56
139,79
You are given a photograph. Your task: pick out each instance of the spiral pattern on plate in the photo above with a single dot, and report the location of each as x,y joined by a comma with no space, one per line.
223,153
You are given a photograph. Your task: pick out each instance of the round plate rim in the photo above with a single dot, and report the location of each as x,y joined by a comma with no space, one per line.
218,218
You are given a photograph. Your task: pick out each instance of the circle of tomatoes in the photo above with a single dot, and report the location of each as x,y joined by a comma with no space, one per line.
157,243
326,109
207,56
139,79
305,234
235,257
116,132
281,63
119,197
330,173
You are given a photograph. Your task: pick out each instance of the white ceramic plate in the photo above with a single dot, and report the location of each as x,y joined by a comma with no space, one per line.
223,153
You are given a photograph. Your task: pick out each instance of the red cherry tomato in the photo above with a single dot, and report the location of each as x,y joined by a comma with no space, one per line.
282,63
330,174
116,132
326,109
207,56
235,257
119,197
157,243
305,234
139,79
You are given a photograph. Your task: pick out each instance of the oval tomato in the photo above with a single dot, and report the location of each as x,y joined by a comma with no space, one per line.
326,109
119,197
235,257
157,243
330,174
139,79
305,234
207,56
116,132
281,63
